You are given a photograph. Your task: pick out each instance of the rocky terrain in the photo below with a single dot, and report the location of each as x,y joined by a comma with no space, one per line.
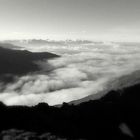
114,116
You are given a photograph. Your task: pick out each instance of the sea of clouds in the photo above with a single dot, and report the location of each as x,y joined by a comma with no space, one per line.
81,71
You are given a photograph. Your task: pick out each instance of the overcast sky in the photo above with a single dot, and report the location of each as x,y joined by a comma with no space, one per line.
70,19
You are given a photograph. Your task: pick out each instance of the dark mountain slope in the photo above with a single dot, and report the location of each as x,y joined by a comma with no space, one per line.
99,119
20,62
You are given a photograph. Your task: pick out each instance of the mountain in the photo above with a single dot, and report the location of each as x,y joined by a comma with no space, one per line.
20,62
41,42
116,84
115,116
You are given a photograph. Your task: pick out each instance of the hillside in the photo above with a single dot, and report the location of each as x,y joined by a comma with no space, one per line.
98,119
19,62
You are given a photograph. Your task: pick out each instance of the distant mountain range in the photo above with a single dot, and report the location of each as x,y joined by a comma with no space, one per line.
41,42
64,42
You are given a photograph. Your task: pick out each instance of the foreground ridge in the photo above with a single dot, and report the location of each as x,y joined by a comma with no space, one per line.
109,117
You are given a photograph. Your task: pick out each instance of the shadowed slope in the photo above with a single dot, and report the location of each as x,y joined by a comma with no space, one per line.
20,62
99,119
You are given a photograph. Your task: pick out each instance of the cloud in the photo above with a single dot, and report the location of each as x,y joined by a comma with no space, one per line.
86,71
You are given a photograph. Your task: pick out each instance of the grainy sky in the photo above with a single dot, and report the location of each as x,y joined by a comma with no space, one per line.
70,19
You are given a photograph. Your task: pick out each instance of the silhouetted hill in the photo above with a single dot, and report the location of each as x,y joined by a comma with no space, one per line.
20,62
98,119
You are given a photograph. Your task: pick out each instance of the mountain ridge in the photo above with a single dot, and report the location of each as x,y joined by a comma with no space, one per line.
96,119
20,61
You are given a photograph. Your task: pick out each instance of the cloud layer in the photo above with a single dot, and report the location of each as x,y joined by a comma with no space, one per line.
81,71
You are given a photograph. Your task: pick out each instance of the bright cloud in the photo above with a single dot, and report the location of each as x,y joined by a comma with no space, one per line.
88,70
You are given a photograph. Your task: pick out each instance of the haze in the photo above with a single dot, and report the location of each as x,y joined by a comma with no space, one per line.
117,20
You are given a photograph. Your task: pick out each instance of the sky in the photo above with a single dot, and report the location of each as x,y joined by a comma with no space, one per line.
70,19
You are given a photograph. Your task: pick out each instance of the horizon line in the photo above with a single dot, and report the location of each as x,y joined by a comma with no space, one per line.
70,39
